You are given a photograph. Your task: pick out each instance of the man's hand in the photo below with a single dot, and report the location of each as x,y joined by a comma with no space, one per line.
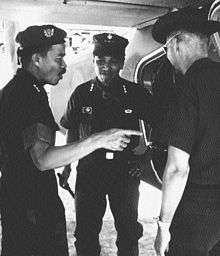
114,139
162,240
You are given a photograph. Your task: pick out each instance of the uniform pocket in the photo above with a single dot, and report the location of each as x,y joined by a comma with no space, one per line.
85,127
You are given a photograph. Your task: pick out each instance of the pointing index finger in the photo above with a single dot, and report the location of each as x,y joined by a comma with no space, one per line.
132,132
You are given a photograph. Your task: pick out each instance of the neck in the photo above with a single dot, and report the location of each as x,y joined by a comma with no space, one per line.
34,71
189,61
107,83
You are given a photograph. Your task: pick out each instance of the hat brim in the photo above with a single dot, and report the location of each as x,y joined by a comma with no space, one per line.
175,21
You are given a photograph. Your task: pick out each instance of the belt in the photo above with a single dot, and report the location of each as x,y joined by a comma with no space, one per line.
158,147
117,156
109,156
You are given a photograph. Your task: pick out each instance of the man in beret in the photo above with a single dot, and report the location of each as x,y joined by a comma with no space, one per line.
32,214
189,221
105,102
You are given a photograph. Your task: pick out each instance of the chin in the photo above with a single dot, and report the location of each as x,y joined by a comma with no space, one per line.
53,83
106,79
57,81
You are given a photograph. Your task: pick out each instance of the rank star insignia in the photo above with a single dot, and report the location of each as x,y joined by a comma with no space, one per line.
48,32
87,110
35,86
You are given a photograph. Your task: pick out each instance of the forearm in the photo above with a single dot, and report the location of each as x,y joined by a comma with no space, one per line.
174,182
47,157
57,156
72,135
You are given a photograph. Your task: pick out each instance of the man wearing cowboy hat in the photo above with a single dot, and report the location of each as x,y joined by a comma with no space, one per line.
189,221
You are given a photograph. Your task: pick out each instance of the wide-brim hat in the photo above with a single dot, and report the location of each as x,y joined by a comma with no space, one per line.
189,20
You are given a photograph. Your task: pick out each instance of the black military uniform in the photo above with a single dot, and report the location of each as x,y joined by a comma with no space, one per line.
201,139
194,128
33,219
93,108
164,88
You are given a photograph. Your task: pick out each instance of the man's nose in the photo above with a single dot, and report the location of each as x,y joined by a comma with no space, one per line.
64,66
106,66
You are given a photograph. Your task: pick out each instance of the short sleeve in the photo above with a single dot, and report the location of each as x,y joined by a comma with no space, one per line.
37,121
183,119
37,110
70,119
38,132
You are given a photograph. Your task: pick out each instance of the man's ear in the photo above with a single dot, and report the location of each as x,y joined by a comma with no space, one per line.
176,45
36,59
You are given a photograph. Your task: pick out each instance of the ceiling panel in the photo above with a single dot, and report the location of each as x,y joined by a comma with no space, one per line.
156,3
128,13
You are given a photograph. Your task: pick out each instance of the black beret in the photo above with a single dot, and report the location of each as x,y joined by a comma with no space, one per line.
191,20
35,37
108,44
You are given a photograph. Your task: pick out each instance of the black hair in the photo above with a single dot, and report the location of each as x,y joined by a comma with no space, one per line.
24,54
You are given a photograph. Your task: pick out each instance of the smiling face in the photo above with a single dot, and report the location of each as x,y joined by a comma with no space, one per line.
107,68
52,66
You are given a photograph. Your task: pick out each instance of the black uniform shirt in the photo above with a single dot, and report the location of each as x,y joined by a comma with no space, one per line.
195,121
24,104
93,109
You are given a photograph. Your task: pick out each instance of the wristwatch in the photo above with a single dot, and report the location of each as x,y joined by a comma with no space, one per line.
163,225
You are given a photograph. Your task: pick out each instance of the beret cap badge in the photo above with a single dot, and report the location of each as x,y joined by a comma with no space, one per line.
49,32
109,36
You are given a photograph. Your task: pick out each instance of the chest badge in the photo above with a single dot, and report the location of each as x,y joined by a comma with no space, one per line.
87,110
128,111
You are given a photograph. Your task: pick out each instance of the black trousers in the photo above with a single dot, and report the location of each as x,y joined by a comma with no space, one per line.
34,232
93,184
195,229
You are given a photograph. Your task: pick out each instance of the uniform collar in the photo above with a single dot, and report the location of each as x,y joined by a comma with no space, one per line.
113,85
29,79
197,65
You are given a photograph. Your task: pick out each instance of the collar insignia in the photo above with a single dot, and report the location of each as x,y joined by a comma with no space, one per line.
91,87
36,88
49,32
